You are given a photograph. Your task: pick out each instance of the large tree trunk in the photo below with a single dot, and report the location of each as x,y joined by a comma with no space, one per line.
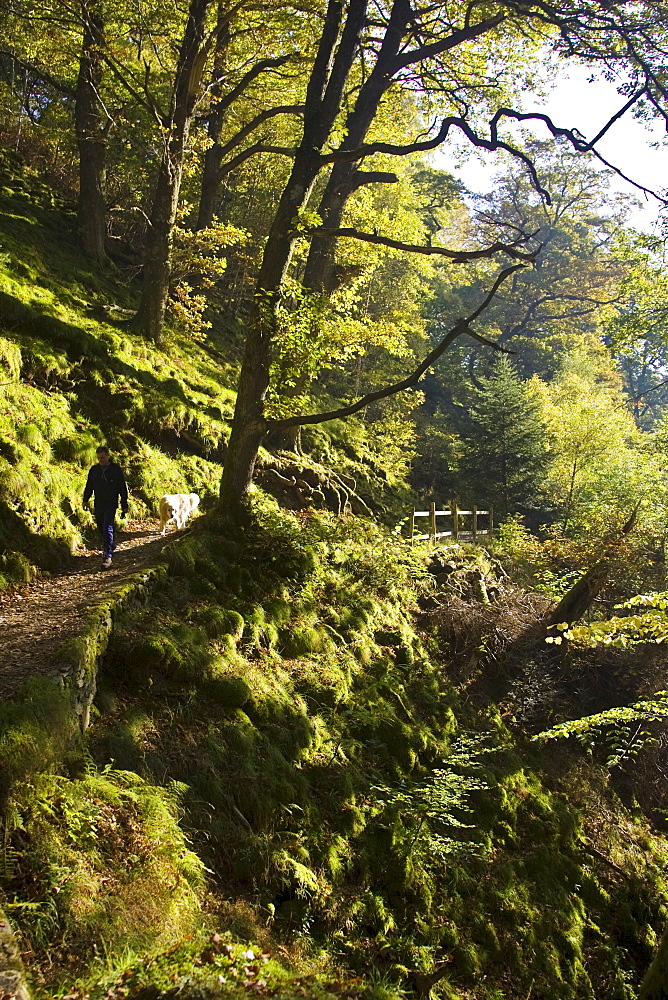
157,253
250,425
158,248
323,99
89,121
210,190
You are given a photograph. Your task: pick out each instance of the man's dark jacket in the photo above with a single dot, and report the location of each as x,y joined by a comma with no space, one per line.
107,482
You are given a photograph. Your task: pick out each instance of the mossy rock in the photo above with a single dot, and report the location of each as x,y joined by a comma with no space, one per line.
230,692
218,622
16,567
189,634
467,959
301,642
364,651
355,623
199,586
182,557
210,570
226,659
9,451
450,937
154,651
278,611
32,437
404,656
192,665
399,739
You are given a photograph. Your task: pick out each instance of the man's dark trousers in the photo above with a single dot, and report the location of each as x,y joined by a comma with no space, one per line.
104,518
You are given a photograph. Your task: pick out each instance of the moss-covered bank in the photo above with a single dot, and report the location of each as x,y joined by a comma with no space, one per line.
356,820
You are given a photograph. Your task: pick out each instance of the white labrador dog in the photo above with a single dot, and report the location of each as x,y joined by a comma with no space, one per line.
176,507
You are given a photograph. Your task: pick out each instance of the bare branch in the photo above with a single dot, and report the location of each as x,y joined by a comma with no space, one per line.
577,142
620,173
630,399
132,90
489,343
458,256
615,118
263,116
253,150
461,326
363,177
494,143
160,116
247,79
465,34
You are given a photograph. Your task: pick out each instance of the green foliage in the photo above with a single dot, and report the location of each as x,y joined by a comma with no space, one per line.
197,261
506,449
622,728
105,860
275,699
440,801
331,790
335,788
35,728
69,381
623,731
638,330
598,457
621,632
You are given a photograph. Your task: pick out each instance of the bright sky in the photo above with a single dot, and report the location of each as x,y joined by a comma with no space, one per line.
576,103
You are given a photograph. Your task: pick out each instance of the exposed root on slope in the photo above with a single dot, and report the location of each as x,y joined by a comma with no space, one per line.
299,486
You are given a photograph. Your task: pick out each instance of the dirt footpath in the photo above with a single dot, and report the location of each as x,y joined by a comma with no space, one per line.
37,618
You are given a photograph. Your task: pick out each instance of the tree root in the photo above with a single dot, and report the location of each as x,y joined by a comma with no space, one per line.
298,487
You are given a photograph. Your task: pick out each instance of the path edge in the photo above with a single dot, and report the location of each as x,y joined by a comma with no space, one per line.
78,659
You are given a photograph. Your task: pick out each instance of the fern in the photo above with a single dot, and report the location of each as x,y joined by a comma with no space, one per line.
8,860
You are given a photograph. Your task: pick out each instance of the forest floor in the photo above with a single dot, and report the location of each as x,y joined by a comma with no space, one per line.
37,618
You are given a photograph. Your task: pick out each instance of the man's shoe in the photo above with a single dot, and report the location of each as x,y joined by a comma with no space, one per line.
106,563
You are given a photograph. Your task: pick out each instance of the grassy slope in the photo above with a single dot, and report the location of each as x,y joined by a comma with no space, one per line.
69,380
321,760
277,704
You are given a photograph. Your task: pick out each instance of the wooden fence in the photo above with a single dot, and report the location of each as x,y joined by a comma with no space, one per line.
459,528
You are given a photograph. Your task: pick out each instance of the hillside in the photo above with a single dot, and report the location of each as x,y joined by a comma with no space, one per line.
73,380
309,768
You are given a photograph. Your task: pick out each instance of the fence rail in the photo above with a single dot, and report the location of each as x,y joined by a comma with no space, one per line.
458,529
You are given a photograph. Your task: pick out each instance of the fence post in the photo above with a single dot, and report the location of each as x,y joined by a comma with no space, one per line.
432,522
490,531
455,520
474,511
411,525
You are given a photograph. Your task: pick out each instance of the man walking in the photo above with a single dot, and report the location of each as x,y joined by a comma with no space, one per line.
107,482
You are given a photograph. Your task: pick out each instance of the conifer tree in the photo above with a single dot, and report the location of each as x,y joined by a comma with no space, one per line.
506,448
